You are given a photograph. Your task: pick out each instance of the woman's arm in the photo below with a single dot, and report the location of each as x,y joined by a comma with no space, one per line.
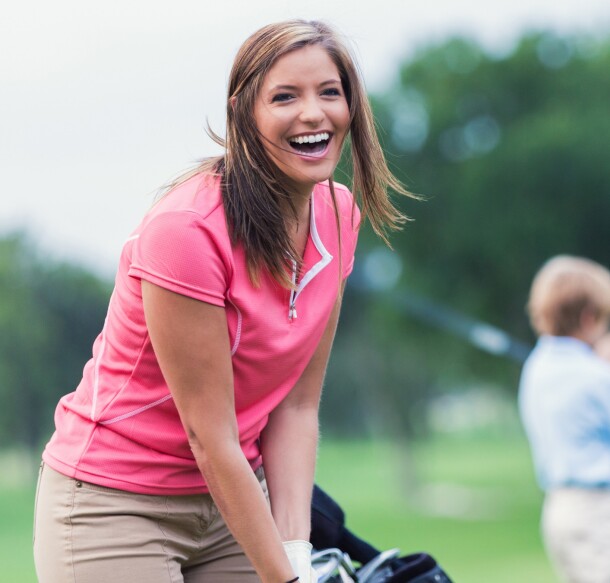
191,342
289,443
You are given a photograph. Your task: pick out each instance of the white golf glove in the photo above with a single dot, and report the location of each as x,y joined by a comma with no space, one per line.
299,555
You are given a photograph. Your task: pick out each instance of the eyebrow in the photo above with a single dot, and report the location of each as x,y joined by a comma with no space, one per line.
295,87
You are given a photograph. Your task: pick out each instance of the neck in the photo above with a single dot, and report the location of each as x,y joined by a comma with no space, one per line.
300,199
298,226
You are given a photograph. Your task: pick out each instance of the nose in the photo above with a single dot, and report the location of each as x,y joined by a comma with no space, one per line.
312,111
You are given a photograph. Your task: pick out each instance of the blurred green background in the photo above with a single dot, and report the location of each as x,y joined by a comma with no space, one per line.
421,440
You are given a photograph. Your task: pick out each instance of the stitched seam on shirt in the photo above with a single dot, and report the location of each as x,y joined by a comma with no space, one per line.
238,329
97,363
138,270
136,411
108,405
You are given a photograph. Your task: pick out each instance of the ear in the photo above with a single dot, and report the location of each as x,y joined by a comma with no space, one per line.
589,315
233,101
588,318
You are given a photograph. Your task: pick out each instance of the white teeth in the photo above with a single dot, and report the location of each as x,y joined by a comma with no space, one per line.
310,139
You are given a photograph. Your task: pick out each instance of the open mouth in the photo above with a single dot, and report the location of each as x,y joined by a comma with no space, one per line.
310,145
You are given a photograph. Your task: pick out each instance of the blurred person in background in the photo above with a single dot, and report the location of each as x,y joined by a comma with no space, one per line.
211,360
602,347
564,400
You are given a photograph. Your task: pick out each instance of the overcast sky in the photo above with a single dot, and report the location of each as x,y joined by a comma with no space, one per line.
101,103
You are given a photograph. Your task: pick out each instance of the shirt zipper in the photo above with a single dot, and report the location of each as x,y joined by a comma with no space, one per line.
292,308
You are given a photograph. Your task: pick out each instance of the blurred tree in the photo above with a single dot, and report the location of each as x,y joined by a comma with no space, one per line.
50,314
510,154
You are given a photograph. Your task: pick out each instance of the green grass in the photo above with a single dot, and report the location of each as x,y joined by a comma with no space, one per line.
16,515
471,502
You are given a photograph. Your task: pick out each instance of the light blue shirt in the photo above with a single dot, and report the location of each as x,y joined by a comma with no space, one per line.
564,401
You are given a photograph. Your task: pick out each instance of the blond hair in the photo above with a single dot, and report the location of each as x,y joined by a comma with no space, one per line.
564,288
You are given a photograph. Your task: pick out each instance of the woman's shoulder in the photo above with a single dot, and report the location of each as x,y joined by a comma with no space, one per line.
192,208
349,212
199,194
343,197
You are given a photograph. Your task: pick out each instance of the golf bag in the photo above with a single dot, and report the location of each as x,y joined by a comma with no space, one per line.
336,549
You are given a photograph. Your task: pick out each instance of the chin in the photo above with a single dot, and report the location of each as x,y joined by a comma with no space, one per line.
317,175
308,178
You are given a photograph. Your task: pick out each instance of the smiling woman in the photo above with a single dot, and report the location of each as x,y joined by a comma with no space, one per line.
187,452
302,115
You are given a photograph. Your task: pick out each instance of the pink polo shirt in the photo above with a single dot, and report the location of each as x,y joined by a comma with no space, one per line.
120,428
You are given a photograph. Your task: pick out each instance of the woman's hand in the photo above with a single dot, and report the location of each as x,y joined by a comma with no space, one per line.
299,555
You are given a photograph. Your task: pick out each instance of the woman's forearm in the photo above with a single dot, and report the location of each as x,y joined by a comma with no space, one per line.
289,443
244,508
289,446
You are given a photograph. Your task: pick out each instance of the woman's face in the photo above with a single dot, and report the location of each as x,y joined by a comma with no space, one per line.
302,115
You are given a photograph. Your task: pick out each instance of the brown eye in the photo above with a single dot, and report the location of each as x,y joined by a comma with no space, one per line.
332,92
281,97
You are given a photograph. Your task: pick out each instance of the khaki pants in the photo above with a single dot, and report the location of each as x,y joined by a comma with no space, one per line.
576,531
85,533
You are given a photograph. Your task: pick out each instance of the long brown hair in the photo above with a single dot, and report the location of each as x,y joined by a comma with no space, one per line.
254,190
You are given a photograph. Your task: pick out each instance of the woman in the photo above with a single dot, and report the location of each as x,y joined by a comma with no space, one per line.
213,353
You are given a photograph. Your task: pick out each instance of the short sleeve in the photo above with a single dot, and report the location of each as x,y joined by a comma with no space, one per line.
178,251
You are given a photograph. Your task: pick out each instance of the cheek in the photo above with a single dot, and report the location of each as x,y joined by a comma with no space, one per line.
342,117
270,125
